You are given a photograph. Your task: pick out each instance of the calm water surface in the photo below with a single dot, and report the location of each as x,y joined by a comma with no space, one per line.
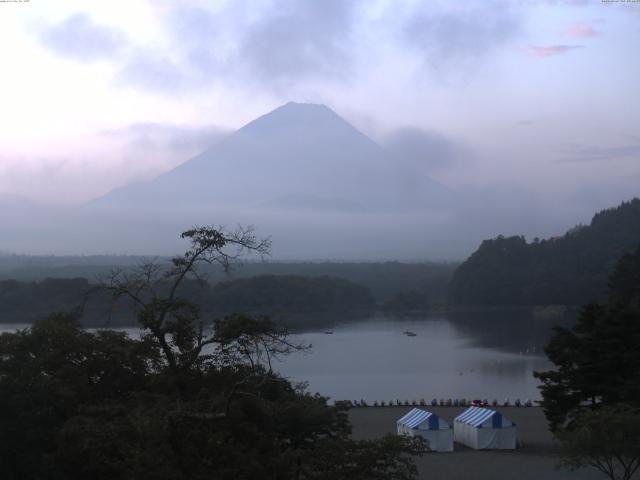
474,356
375,360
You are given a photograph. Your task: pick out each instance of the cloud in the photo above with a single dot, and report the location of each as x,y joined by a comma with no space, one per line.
580,30
425,150
156,137
595,153
300,39
141,151
275,44
195,56
551,50
79,38
446,38
112,158
151,70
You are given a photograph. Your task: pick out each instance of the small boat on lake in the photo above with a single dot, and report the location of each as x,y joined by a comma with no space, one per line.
328,332
409,334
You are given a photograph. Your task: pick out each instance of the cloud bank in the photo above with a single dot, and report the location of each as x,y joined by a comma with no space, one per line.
78,37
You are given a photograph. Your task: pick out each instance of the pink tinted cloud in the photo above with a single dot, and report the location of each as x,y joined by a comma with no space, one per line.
580,30
551,50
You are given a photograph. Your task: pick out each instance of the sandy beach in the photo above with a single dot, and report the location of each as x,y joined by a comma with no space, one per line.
536,458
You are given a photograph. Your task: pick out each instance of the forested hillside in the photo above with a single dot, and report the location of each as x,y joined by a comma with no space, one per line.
290,293
26,302
384,279
572,269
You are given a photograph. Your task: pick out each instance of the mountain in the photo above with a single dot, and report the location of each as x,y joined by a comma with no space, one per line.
299,156
17,206
572,269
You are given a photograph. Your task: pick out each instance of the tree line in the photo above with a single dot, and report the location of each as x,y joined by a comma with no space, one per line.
383,279
277,294
289,295
568,270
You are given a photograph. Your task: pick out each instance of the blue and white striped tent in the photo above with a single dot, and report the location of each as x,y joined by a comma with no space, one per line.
482,428
436,432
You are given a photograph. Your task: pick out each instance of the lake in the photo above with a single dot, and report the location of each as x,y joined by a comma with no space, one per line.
375,360
488,355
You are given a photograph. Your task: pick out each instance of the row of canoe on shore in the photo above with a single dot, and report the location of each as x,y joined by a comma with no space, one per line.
442,403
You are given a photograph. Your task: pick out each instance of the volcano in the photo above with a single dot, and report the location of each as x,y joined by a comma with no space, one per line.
299,156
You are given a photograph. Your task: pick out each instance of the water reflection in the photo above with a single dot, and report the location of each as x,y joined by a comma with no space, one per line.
517,330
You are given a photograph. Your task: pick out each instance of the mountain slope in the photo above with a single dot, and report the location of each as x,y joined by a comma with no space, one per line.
298,151
572,269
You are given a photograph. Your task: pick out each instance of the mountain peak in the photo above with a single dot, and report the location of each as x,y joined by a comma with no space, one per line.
295,114
304,110
300,154
294,103
304,106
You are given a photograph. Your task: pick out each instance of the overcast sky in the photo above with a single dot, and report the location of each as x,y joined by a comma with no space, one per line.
542,96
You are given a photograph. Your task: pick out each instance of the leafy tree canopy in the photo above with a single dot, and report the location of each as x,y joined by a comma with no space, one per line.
607,439
597,361
592,397
186,400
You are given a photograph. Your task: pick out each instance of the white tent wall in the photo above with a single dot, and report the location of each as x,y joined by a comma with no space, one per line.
496,438
485,435
437,440
437,433
465,434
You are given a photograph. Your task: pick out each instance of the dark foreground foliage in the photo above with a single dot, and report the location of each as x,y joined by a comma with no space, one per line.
77,405
597,360
592,397
187,400
607,439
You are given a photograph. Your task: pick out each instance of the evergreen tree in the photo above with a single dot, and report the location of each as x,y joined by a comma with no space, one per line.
598,360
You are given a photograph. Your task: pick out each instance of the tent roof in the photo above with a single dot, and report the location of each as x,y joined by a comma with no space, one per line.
415,417
475,416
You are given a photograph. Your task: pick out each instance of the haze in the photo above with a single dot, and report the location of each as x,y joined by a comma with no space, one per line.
485,117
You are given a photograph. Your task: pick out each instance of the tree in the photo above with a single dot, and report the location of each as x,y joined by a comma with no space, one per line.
154,290
624,283
592,398
189,399
47,373
597,360
607,439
